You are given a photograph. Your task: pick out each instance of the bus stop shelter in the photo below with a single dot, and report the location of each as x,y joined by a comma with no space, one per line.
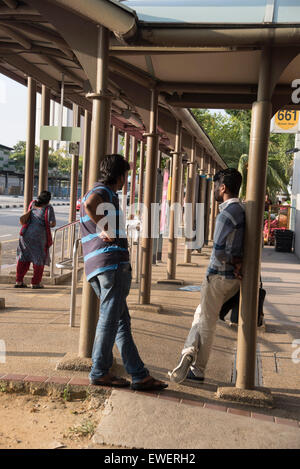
154,59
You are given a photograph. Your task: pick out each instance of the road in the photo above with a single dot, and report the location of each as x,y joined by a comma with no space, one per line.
10,228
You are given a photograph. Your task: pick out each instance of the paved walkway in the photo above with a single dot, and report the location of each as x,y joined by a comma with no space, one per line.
34,328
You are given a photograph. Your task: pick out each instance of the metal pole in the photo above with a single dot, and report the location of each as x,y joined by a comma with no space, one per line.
125,187
74,283
133,177
74,169
141,177
213,207
175,193
255,195
30,143
114,139
208,201
86,152
149,198
99,146
190,194
44,144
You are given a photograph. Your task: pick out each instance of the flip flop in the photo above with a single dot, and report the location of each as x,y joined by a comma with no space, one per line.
110,381
151,384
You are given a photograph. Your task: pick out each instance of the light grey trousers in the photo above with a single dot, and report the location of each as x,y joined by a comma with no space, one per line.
215,291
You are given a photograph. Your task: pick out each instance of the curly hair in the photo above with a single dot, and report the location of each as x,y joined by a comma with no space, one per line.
112,167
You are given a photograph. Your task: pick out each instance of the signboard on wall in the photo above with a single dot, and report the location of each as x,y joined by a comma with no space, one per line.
286,122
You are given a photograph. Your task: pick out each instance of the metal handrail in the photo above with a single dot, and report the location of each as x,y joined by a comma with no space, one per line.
74,282
71,229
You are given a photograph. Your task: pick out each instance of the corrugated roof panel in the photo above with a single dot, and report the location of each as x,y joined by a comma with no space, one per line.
215,11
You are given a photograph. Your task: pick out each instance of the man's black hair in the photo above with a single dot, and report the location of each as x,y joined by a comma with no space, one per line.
232,179
112,167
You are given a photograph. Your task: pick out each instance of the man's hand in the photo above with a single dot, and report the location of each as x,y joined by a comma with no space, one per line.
238,265
106,237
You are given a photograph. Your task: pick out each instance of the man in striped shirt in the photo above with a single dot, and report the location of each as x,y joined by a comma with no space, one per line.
222,279
107,268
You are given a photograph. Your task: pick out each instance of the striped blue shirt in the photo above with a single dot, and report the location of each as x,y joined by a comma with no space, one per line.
228,238
98,254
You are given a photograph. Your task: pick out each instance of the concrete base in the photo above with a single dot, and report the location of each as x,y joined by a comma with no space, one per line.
171,282
259,397
145,308
188,264
2,303
74,363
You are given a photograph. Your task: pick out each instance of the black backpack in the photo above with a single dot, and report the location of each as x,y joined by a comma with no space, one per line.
233,305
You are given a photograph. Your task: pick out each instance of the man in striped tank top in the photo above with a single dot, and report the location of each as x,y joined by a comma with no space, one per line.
107,268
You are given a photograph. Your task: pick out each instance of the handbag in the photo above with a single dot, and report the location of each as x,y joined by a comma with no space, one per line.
233,304
25,226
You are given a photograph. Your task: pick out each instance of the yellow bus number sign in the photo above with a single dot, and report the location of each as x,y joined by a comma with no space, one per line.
286,120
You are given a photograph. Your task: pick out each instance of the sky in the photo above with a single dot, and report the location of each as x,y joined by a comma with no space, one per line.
13,112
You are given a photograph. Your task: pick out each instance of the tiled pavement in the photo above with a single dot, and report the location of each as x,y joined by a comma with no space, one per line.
35,329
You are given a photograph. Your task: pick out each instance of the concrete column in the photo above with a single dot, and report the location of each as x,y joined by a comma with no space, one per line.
175,194
141,176
255,193
190,195
30,143
86,152
99,146
149,198
74,169
44,144
133,176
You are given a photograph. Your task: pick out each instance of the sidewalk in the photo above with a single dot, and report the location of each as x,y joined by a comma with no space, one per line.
34,327
11,201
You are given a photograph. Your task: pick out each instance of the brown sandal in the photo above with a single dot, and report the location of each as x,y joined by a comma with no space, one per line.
110,381
151,384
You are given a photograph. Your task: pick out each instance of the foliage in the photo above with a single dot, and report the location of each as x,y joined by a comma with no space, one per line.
58,159
230,134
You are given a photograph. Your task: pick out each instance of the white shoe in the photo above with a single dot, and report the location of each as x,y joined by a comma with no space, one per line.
180,372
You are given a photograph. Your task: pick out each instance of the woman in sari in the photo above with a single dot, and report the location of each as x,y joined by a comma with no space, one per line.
35,240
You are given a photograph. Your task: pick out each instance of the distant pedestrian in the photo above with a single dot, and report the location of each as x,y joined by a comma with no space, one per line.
35,240
107,268
222,279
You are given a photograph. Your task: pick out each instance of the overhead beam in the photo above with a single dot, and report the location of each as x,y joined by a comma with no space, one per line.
41,33
63,69
210,88
160,50
16,36
11,3
200,36
32,70
20,11
122,21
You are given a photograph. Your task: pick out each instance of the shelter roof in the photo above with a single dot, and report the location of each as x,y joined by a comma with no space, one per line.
198,53
216,11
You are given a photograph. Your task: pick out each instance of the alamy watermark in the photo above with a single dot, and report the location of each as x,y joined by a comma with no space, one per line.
296,353
188,221
296,93
2,351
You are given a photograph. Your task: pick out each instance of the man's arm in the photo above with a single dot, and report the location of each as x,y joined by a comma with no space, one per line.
91,205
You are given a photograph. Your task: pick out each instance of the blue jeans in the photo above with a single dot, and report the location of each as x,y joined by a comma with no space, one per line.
112,287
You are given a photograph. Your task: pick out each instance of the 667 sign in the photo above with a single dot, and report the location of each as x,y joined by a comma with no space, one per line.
286,122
